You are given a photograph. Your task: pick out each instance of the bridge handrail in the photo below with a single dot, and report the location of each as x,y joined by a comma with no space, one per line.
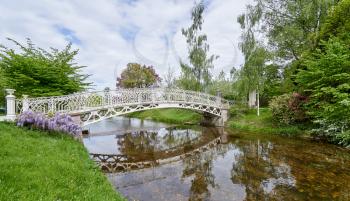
119,90
79,99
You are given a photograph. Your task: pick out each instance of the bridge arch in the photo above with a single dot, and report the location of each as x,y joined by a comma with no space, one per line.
91,107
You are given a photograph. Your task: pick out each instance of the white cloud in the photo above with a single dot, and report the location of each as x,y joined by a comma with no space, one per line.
109,34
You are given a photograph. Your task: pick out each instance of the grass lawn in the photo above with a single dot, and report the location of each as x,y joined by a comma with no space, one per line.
171,115
36,165
262,123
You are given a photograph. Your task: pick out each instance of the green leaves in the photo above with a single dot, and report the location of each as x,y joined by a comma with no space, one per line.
38,72
136,75
327,81
196,76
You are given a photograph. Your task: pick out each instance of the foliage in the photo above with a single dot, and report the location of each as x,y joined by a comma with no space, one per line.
287,108
37,165
272,84
38,72
326,80
59,122
256,74
325,77
291,27
251,75
308,43
285,29
343,139
222,85
196,75
337,22
2,87
137,76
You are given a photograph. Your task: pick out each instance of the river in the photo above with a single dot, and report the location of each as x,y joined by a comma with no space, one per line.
198,163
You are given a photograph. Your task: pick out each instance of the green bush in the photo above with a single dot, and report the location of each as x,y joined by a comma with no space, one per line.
326,82
37,72
287,108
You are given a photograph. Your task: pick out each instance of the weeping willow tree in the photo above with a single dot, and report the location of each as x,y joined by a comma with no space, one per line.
251,76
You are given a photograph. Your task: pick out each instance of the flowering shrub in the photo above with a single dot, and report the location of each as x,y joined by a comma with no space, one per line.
343,139
287,108
58,122
336,132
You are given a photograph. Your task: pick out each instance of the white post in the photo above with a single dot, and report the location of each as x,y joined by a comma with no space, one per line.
25,103
252,99
11,105
218,98
258,103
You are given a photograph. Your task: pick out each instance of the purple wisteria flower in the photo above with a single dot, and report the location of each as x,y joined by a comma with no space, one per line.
59,122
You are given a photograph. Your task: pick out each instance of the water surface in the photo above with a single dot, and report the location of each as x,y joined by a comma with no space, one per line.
242,167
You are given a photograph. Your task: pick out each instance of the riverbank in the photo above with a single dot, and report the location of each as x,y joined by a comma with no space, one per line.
38,165
243,121
171,115
249,121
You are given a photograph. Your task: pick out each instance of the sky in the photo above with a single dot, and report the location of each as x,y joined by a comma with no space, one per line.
111,33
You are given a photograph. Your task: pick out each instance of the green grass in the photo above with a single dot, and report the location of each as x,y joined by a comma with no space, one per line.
262,124
171,115
36,165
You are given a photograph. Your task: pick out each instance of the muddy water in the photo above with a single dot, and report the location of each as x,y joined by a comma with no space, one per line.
242,166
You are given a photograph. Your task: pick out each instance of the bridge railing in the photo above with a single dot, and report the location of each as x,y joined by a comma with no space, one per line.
99,99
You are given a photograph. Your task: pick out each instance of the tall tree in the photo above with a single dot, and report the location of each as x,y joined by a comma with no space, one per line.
196,75
255,55
325,77
252,73
288,28
272,83
138,76
38,72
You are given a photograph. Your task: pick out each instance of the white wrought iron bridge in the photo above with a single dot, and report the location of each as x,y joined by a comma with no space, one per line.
91,107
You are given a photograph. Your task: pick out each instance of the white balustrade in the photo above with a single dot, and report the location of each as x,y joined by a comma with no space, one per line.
106,101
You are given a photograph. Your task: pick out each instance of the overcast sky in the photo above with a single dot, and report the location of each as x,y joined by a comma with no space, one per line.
111,33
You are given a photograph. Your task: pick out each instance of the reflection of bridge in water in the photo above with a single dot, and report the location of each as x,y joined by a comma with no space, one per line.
124,162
